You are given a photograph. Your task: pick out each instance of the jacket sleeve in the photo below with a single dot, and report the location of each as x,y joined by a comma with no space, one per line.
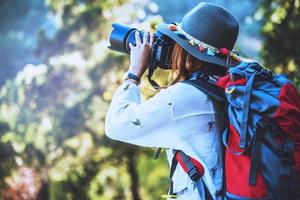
148,124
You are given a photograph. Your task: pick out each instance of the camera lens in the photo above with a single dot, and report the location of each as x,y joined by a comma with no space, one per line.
121,36
162,47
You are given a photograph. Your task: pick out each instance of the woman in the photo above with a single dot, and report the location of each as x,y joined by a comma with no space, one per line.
180,116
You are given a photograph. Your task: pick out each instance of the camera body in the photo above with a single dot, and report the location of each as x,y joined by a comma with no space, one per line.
122,35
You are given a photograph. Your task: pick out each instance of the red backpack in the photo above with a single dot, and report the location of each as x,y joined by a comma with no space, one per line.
262,158
262,138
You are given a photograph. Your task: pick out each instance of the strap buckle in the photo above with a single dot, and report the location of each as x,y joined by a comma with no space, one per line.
264,122
286,156
194,174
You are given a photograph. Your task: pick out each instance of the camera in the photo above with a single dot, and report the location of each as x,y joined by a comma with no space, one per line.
122,35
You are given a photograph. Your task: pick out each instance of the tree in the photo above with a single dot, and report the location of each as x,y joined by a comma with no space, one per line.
281,42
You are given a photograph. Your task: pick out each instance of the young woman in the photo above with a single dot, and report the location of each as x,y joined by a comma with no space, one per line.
180,117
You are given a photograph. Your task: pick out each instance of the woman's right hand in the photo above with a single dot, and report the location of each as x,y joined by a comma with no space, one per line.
140,54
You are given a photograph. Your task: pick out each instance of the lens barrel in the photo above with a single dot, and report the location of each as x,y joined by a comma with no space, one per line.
121,36
162,47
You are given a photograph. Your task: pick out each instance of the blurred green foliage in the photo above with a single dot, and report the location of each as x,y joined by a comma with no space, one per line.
281,30
52,111
52,115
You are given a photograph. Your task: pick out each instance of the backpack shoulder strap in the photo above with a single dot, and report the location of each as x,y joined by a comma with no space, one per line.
210,89
193,169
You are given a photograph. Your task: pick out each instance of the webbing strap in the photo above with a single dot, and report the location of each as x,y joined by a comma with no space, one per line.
157,153
187,164
200,187
153,83
237,153
285,169
245,114
261,128
203,190
255,155
172,170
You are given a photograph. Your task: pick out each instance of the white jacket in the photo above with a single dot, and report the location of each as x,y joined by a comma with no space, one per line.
180,117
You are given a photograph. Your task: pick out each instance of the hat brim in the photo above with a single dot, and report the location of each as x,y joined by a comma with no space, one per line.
193,50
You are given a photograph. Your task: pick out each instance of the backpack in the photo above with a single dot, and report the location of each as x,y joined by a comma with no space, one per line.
262,138
262,158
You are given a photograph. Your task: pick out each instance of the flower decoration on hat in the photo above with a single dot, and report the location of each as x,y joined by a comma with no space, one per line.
210,52
172,27
224,51
191,42
202,46
235,57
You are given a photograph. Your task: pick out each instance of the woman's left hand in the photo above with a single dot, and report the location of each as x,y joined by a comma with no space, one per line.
140,53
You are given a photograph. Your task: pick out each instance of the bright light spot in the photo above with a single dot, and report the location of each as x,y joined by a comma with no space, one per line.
59,151
297,3
86,144
80,8
248,20
56,19
122,13
268,27
29,72
73,142
19,161
18,147
107,96
141,14
57,174
278,15
46,123
100,49
153,7
259,15
72,59
107,14
107,173
254,44
278,69
292,66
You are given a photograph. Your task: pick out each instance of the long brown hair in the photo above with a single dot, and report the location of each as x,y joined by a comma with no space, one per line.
183,64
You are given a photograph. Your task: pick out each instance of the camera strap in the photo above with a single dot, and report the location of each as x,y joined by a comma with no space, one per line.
153,83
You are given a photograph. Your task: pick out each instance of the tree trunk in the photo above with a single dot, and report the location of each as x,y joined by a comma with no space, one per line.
131,167
43,193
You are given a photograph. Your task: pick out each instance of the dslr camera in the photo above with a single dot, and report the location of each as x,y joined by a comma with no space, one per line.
122,35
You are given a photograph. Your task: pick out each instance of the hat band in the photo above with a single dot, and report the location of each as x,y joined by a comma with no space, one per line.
202,46
196,41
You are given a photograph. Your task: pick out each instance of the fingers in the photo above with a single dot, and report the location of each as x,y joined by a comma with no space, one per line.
137,38
147,38
151,39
